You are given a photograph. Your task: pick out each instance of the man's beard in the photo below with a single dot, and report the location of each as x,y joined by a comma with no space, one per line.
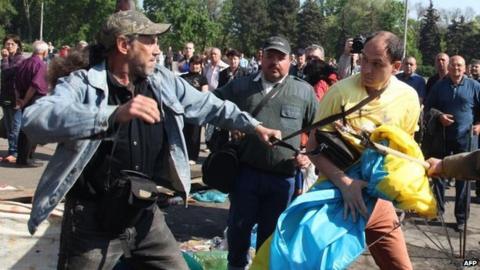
140,71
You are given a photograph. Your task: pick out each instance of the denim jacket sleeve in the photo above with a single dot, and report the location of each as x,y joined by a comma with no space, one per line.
74,110
200,107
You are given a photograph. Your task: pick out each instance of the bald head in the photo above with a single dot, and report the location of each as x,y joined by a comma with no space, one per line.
441,63
393,44
456,68
409,65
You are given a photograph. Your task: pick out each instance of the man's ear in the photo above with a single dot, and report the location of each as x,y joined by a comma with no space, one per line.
122,44
396,66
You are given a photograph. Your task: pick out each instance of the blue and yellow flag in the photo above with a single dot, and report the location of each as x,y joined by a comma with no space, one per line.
312,234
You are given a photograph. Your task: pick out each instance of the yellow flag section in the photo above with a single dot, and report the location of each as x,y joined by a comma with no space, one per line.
406,184
312,234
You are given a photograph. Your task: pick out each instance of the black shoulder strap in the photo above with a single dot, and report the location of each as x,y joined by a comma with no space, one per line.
265,99
334,117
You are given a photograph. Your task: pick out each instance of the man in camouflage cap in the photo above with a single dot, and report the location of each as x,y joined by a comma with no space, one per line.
121,112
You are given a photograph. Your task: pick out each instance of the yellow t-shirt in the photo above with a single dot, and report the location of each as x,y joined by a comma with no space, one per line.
398,105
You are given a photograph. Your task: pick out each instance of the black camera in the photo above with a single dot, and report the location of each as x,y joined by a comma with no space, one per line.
357,45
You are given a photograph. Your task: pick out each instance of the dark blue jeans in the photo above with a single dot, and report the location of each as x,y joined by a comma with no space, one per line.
257,197
85,245
12,122
462,197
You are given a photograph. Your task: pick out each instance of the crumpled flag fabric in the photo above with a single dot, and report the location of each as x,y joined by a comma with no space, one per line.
312,234
404,183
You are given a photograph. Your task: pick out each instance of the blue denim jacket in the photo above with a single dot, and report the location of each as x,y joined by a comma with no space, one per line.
78,109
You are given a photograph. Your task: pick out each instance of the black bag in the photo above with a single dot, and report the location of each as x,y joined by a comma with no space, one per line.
218,140
126,200
221,167
336,149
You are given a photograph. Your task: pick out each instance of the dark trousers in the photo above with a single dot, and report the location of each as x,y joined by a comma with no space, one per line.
257,197
25,148
462,197
85,245
192,139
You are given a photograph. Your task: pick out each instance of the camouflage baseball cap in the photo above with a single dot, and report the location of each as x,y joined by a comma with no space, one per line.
128,22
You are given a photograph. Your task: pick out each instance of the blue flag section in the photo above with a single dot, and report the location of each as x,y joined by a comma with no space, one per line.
312,233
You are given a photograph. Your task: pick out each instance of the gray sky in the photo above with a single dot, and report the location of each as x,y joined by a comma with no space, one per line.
448,5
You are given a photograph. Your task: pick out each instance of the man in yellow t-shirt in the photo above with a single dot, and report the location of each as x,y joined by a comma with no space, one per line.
398,105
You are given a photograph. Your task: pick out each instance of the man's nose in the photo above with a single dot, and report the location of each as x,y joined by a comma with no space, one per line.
156,50
365,68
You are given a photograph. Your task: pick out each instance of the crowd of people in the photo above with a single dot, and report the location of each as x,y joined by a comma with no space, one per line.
121,105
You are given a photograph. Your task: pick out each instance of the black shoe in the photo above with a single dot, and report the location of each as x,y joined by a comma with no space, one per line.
29,164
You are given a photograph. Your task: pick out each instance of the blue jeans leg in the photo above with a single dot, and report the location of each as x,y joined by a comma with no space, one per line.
439,191
241,218
272,205
257,197
462,201
12,122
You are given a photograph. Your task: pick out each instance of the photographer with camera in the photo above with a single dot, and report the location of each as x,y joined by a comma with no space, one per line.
349,61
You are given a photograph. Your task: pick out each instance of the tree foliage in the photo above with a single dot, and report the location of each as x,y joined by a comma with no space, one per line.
244,24
251,24
464,38
7,12
311,24
192,21
283,16
429,43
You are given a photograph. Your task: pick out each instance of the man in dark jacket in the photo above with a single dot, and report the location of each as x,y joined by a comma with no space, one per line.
457,97
233,71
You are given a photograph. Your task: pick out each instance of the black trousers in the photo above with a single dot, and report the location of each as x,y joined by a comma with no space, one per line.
192,139
85,245
25,147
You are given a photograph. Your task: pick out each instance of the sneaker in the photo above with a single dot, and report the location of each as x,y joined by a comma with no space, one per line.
460,227
192,162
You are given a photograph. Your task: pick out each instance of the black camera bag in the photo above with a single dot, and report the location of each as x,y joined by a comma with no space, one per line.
126,199
221,167
336,149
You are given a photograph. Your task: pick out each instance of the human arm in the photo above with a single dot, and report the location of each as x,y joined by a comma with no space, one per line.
73,111
200,108
459,166
26,99
351,189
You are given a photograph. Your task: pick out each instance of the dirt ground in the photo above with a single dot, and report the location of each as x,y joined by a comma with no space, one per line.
204,221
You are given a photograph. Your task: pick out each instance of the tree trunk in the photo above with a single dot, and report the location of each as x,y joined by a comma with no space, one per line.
26,8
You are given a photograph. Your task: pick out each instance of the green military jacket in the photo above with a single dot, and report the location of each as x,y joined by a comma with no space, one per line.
292,108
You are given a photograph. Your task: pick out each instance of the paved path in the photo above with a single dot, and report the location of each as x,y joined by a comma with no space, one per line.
424,253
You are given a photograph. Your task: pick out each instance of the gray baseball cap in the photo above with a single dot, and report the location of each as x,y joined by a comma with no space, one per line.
277,43
130,22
